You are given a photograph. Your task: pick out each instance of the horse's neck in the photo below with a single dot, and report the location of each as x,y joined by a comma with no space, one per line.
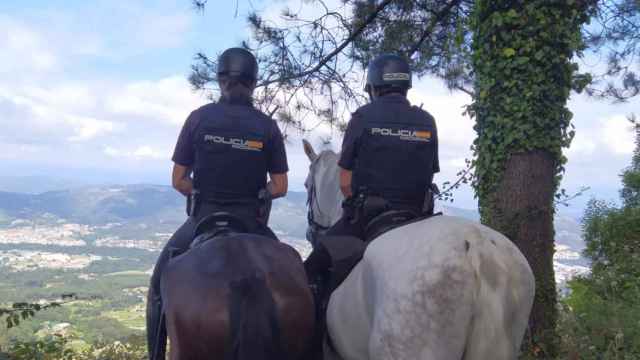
336,213
335,195
327,180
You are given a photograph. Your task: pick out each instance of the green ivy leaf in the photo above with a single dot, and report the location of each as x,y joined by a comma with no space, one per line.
508,52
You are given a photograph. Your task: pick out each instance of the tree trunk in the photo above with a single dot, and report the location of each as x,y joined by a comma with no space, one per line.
522,209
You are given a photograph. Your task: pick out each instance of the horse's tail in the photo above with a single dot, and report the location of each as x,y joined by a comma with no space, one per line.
255,332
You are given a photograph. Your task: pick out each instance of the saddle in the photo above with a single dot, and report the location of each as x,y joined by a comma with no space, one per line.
217,224
346,251
386,221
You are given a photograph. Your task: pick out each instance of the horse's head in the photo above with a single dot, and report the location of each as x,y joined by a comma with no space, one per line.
323,190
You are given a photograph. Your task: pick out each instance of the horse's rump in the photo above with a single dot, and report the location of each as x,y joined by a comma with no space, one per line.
237,297
435,289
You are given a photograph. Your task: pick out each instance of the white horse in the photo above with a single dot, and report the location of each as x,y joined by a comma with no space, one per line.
443,288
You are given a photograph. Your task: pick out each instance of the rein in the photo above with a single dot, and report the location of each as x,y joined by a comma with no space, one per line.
311,200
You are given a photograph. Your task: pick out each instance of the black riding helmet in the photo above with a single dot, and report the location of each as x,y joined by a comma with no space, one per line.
388,70
239,63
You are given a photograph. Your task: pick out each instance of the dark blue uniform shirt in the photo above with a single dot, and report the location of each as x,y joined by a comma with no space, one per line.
357,125
184,153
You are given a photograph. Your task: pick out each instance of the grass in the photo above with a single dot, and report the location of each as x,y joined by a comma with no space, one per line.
132,317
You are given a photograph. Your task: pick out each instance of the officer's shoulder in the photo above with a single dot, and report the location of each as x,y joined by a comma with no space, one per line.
366,107
362,110
206,108
261,115
424,112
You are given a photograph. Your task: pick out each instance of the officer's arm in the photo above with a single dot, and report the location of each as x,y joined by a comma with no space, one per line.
278,185
277,166
183,157
349,153
181,179
345,182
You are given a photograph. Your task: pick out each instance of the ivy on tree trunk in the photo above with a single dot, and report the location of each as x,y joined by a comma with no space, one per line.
522,61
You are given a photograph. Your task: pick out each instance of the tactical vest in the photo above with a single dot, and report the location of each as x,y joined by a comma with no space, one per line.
230,153
396,151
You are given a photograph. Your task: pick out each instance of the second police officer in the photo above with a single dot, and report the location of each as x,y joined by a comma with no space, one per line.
390,151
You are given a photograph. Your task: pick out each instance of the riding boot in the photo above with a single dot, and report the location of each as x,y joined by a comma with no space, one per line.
317,263
319,292
156,328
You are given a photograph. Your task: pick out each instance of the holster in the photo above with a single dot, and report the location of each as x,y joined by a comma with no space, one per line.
353,207
193,202
364,207
429,199
348,208
264,211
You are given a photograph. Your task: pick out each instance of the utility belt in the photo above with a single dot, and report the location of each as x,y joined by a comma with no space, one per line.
262,202
363,206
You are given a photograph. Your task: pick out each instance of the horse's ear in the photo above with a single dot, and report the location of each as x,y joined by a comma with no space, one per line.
308,149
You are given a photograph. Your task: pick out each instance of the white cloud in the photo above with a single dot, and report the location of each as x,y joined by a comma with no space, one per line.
458,163
87,128
582,144
23,50
140,153
618,135
10,151
455,130
148,152
111,151
64,96
46,119
610,136
168,100
161,30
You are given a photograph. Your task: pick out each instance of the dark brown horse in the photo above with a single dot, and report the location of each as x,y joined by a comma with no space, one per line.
238,297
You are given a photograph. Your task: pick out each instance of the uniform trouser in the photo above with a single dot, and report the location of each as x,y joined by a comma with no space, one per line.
318,262
317,266
177,244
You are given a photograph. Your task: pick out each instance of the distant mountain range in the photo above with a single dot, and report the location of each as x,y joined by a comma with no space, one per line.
37,184
95,205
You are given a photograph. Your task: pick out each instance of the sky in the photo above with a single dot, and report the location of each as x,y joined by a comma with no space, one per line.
96,91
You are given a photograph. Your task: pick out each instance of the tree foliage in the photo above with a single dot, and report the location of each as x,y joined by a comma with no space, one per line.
58,347
616,35
21,311
313,65
312,62
603,309
49,348
434,35
630,192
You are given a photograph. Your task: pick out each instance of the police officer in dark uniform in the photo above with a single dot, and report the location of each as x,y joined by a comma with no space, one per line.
390,148
390,151
230,147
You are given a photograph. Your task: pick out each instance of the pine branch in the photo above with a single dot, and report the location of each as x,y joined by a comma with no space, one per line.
437,18
371,18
